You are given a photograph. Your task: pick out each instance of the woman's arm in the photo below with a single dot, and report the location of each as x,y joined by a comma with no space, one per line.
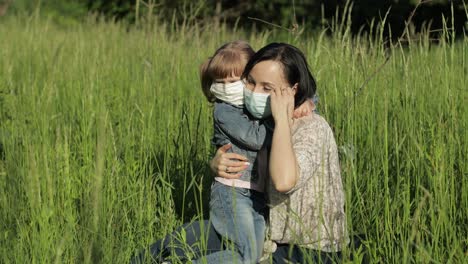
284,168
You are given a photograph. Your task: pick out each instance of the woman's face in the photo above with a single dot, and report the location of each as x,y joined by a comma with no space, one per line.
266,76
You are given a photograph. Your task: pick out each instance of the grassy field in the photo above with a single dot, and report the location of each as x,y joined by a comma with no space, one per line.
105,137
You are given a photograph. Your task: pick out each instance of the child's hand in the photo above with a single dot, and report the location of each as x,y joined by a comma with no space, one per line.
228,165
304,109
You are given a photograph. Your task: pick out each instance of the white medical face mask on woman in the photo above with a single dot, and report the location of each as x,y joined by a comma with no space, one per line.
258,104
232,93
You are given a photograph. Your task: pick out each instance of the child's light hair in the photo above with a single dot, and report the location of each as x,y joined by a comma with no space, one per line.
229,60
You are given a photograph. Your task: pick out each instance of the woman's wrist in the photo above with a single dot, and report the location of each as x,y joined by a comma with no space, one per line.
283,120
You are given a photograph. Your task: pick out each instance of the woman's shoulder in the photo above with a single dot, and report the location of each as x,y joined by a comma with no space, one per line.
311,124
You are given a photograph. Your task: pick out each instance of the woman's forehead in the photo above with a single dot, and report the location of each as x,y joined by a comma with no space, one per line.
268,72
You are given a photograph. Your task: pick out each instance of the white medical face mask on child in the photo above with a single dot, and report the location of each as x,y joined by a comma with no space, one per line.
232,93
258,104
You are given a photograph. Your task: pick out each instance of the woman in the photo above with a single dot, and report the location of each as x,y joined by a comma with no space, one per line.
307,221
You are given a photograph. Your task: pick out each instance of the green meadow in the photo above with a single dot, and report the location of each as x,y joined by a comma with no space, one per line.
105,136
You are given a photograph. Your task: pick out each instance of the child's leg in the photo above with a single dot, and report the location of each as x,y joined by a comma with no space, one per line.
259,213
232,215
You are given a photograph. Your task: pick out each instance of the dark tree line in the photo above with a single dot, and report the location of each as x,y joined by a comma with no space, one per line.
311,13
286,13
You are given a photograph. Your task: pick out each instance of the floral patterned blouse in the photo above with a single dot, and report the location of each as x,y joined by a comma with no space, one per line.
312,213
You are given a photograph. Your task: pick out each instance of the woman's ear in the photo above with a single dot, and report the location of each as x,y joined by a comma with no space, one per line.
294,88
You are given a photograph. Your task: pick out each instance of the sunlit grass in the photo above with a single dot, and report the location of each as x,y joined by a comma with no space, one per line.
105,138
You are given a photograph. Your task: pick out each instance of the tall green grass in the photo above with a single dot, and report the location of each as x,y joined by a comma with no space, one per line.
105,137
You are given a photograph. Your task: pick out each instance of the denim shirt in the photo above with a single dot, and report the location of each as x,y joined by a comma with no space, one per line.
233,124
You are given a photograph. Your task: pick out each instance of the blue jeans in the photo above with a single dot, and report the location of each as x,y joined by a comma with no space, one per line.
238,215
190,241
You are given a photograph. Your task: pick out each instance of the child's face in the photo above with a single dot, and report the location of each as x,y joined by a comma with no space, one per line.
227,80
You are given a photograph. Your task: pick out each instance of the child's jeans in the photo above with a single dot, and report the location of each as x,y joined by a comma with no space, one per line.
237,214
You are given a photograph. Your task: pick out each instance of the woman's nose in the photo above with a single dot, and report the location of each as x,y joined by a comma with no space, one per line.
256,89
250,86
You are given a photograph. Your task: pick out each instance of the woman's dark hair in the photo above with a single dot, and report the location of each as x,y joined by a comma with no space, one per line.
295,68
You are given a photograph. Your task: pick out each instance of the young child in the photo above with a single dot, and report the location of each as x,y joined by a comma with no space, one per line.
236,205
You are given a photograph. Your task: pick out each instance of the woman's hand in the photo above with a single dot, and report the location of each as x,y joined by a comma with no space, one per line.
282,104
228,165
304,109
283,164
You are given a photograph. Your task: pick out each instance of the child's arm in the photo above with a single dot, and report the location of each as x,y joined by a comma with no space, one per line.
239,128
304,109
